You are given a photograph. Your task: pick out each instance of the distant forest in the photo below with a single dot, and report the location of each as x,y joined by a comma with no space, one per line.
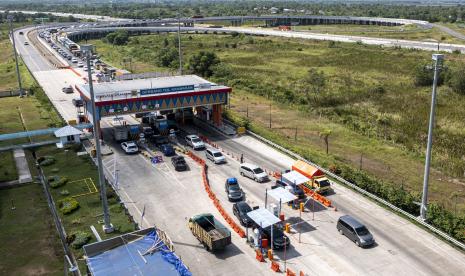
450,11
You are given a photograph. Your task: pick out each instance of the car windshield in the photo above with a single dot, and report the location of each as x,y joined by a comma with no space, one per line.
362,231
257,170
324,183
217,154
234,188
196,140
132,147
245,209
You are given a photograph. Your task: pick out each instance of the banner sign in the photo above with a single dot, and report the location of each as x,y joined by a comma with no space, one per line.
166,90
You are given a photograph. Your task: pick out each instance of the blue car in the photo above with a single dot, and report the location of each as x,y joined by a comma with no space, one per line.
167,149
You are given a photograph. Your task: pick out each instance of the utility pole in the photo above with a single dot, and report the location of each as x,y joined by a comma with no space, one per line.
10,21
270,114
107,227
438,59
179,44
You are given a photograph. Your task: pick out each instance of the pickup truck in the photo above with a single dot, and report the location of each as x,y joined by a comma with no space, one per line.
210,232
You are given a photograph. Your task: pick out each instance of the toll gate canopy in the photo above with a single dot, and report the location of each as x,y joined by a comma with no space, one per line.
152,94
263,217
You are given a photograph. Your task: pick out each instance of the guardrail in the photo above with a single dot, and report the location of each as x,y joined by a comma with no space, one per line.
358,189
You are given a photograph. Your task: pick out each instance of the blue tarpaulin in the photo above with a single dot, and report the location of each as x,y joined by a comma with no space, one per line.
145,256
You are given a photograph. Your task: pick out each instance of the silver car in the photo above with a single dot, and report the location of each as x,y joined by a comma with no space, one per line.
215,156
254,172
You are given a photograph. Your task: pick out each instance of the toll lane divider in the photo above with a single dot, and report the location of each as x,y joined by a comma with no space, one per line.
236,156
213,197
316,196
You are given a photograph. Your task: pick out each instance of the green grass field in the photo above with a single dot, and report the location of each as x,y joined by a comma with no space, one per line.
28,237
76,168
370,103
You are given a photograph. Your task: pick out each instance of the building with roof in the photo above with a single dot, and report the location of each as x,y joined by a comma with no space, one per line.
67,135
155,94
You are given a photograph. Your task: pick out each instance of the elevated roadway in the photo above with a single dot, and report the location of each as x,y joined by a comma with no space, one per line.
94,32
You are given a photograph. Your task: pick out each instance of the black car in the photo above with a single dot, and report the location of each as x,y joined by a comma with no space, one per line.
240,210
179,163
279,239
295,190
77,102
235,193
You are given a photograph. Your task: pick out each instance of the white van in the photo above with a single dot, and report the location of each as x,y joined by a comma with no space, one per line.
254,172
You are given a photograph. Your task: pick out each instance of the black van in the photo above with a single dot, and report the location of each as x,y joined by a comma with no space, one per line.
355,231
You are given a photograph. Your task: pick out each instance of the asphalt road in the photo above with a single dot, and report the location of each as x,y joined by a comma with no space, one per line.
170,198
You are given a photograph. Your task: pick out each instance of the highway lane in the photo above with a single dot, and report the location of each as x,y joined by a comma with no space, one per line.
169,199
402,248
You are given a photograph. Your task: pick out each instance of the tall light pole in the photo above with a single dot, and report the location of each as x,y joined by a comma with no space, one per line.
107,226
438,59
179,44
10,21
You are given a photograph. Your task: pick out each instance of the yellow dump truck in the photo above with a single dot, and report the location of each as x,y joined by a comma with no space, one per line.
210,232
318,181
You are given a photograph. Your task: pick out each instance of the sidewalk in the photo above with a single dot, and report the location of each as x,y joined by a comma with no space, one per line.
24,174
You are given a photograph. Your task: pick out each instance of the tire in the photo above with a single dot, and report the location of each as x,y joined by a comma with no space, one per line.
357,243
242,173
341,232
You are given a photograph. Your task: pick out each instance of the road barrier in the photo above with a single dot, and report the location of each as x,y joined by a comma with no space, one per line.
358,189
275,266
212,196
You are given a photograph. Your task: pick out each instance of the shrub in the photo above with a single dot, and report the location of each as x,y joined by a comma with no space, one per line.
80,239
68,205
64,192
46,160
62,181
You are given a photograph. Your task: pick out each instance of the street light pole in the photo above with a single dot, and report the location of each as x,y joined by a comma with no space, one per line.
107,227
438,58
179,44
10,21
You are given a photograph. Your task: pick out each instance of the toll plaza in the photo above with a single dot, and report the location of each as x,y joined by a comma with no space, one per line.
163,94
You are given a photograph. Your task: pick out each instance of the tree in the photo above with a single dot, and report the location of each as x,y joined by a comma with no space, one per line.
325,136
202,63
457,80
313,82
423,75
119,37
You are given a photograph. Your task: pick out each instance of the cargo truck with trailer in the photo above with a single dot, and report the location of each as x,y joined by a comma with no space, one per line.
210,232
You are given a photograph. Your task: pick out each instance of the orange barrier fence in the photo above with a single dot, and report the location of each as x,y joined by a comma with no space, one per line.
212,196
275,266
316,196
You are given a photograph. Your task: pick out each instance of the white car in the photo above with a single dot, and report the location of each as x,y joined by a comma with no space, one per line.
80,64
26,43
129,147
254,172
195,142
215,156
74,60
